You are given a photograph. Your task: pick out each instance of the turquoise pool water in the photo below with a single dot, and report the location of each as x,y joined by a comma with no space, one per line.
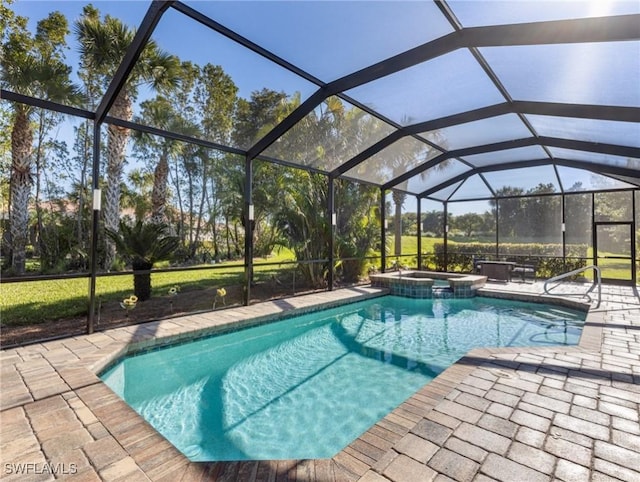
307,386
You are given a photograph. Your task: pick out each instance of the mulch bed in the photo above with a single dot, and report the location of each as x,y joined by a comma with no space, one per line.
112,315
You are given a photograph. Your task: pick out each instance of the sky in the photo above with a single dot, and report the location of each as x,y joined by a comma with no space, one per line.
36,10
311,35
328,39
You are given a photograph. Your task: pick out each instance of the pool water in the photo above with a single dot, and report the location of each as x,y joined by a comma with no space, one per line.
307,386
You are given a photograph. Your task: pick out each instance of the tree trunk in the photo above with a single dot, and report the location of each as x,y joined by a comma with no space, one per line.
159,193
86,144
236,240
142,280
45,258
176,183
213,216
228,233
117,138
398,200
191,194
203,196
20,188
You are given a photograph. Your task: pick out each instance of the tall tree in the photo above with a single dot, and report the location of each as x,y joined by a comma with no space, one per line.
358,226
508,210
215,100
103,44
31,65
468,223
156,150
303,221
253,119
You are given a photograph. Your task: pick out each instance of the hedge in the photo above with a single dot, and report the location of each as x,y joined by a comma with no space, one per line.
544,256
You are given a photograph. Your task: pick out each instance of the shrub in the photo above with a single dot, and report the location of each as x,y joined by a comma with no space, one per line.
544,255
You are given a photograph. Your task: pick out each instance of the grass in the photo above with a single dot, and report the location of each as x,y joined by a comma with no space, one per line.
410,245
611,268
33,302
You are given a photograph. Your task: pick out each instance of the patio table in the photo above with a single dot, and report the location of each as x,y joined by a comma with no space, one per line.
497,270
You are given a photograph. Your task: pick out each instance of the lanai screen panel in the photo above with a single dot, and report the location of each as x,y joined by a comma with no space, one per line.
506,156
576,180
591,130
436,175
228,70
129,19
596,158
526,222
331,39
586,73
473,228
578,225
530,180
632,181
475,14
58,193
432,219
481,132
445,193
393,161
446,85
613,206
329,135
473,187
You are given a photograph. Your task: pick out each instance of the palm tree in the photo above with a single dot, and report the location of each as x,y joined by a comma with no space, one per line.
303,222
142,245
31,66
158,112
400,158
103,44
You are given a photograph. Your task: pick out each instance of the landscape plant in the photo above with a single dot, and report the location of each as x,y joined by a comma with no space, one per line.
30,65
103,45
141,245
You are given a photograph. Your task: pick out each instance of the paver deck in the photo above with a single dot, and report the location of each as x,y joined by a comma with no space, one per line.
517,414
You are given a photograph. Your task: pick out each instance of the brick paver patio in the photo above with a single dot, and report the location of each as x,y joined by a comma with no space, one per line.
524,414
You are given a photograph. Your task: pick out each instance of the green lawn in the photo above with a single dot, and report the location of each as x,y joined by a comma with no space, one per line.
611,268
37,301
32,302
410,246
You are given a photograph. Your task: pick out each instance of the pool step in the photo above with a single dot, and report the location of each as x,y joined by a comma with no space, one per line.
442,292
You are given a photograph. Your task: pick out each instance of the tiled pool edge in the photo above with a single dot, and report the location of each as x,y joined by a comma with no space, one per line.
408,415
591,337
101,348
228,325
159,460
363,454
151,342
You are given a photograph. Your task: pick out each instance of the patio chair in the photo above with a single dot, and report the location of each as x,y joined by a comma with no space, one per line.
525,270
477,264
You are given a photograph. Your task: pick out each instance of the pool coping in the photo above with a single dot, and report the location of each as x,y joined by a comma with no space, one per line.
158,459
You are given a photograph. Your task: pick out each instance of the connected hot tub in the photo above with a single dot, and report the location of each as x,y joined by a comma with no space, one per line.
429,284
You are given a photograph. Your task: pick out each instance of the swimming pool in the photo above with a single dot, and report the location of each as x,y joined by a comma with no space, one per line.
307,386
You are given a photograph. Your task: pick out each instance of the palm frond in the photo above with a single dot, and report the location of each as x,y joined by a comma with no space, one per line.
143,242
